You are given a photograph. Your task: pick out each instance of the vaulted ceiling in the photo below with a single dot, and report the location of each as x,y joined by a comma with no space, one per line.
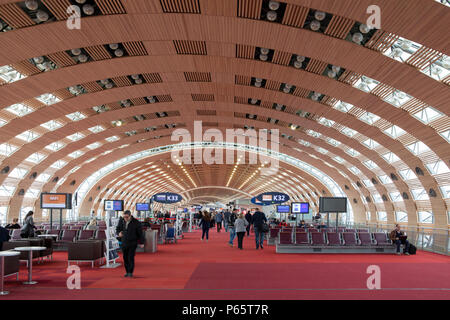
362,112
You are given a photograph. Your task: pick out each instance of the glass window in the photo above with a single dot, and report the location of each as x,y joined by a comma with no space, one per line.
75,136
43,177
76,116
348,132
446,135
445,190
112,139
343,106
368,183
425,217
19,109
427,115
390,157
419,194
401,216
94,145
75,154
28,136
339,159
382,216
96,129
35,157
6,191
385,179
407,174
51,125
333,142
58,164
377,198
366,84
368,215
313,133
18,173
396,196
437,167
370,164
3,214
6,149
355,170
48,99
397,98
55,146
394,131
371,144
369,118
418,147
9,74
326,122
32,193
352,152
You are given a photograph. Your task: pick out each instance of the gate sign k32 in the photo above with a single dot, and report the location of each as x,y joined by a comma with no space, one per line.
167,197
273,197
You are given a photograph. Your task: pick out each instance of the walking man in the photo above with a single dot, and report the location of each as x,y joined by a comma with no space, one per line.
130,232
258,219
231,227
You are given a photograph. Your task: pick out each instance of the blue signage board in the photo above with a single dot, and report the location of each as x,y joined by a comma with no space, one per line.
254,200
167,197
273,197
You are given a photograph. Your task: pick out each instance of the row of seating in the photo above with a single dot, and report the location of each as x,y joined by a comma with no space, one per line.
334,238
67,235
273,232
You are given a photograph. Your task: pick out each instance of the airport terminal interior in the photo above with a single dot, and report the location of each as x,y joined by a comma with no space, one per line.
323,125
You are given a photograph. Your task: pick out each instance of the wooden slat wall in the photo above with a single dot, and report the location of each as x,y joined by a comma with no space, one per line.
423,57
381,41
152,77
243,80
282,58
121,81
202,97
92,86
198,76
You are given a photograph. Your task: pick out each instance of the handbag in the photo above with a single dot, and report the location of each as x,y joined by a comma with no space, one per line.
264,227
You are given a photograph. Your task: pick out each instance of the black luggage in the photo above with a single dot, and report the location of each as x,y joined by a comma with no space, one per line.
412,249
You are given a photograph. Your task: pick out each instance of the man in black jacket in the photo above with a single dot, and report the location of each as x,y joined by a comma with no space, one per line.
130,232
4,236
14,225
258,219
249,219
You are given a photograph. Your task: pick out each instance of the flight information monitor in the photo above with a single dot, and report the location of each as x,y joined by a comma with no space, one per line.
56,200
300,207
332,204
113,205
142,207
283,209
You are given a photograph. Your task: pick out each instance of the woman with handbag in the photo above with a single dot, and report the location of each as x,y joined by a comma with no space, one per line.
27,230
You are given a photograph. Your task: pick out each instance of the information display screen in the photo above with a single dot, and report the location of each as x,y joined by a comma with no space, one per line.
142,207
56,201
300,207
283,209
332,204
113,205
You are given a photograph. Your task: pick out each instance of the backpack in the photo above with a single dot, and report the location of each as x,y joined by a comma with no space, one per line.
412,249
232,219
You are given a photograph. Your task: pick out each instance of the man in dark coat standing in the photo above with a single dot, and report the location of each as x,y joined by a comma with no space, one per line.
130,232
4,236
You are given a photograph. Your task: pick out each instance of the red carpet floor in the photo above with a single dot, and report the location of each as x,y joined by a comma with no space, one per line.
191,269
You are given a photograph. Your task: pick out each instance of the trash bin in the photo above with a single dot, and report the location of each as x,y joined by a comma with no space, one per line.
150,241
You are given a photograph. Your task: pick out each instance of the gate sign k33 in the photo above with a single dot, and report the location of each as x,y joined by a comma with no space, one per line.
167,197
272,197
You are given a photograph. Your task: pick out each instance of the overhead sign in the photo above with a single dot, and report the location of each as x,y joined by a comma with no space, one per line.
254,200
167,197
273,197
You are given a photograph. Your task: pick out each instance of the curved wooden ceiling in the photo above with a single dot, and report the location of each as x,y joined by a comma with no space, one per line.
198,60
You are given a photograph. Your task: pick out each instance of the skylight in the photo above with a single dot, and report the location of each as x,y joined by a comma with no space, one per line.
96,129
28,136
55,146
43,177
370,164
51,125
437,167
418,147
427,115
401,216
9,74
75,154
390,157
385,179
407,174
396,196
18,173
75,136
366,84
348,132
94,145
112,139
369,118
398,98
19,109
394,131
6,149
343,106
419,194
58,164
48,99
35,157
76,116
371,144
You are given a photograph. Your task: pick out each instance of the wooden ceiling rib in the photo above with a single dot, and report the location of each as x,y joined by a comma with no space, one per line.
295,16
26,67
423,58
62,94
245,51
135,48
98,52
197,76
110,6
121,81
381,41
180,6
92,86
249,9
164,98
316,66
339,27
190,47
283,58
58,8
61,59
14,16
152,77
